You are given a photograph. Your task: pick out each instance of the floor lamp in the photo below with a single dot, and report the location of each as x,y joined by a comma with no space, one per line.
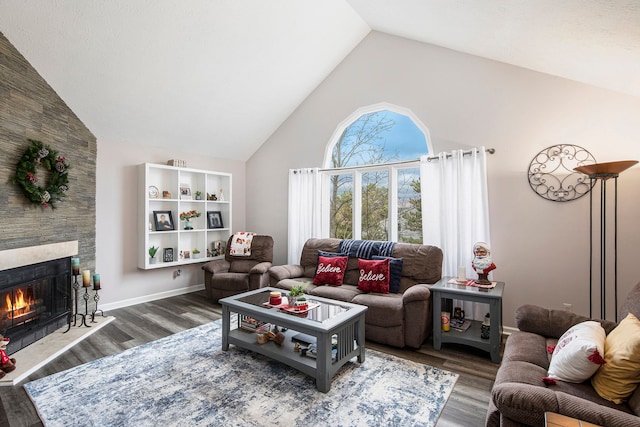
602,172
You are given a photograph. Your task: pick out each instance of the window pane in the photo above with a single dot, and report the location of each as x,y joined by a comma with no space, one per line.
375,205
409,206
341,210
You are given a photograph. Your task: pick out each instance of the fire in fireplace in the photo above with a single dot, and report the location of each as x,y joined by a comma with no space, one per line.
35,300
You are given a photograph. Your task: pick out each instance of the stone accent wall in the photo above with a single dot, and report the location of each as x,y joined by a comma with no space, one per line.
30,108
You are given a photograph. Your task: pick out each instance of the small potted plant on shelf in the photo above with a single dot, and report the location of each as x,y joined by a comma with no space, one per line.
152,254
296,291
198,195
196,253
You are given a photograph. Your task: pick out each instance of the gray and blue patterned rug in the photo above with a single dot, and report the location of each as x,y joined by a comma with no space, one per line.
186,380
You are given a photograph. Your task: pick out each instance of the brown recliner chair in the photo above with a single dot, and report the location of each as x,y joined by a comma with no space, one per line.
236,274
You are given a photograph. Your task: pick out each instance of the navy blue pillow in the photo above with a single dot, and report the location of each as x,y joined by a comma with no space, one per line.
330,254
395,271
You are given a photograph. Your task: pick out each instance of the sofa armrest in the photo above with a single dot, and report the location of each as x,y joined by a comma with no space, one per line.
419,292
527,404
260,268
282,272
551,323
217,266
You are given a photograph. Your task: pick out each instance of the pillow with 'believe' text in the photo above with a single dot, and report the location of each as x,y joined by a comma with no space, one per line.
330,270
374,275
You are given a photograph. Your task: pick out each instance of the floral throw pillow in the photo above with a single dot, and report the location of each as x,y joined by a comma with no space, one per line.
374,275
330,270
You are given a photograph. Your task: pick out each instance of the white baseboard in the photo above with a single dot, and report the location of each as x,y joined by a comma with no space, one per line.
508,330
151,297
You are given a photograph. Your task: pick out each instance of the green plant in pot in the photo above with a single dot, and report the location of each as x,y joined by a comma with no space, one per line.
198,195
196,253
296,291
152,254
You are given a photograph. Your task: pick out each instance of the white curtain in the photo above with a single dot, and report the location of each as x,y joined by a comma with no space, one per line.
455,210
304,210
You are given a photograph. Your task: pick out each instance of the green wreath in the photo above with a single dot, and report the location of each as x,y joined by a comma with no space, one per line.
42,155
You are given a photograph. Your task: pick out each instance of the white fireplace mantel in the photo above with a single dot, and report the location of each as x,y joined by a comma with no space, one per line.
12,258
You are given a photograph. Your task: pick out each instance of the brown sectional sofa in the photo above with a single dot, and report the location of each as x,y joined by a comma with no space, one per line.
520,398
397,319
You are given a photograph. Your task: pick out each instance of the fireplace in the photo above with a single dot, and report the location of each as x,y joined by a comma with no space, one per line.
35,300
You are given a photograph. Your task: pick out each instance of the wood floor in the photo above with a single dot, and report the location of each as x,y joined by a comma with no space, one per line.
139,324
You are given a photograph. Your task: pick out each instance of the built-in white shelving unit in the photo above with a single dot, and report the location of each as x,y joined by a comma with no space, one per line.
159,189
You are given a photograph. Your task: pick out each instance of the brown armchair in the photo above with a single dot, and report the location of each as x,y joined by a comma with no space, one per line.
236,274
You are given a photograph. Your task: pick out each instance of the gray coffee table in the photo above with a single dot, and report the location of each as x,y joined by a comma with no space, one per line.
342,319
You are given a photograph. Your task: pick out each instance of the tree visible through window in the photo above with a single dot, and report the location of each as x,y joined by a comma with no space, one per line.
376,194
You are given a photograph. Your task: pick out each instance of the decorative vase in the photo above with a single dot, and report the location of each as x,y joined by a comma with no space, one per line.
152,260
188,225
292,300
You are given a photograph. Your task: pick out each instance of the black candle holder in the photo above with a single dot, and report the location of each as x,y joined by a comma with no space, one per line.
86,308
96,298
83,317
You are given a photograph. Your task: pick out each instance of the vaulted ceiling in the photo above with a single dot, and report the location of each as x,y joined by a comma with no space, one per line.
220,76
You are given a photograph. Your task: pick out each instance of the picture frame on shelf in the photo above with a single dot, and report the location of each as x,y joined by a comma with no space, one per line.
163,221
214,219
218,247
167,255
185,192
187,254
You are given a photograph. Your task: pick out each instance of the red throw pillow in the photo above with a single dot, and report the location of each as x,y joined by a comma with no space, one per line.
330,270
374,275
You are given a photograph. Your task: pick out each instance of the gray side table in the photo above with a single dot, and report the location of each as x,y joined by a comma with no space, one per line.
444,290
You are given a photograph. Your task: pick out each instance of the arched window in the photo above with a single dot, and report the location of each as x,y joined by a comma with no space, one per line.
372,177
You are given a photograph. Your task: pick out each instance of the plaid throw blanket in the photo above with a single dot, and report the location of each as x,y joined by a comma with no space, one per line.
366,249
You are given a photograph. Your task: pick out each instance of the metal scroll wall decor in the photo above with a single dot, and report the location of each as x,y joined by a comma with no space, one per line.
552,175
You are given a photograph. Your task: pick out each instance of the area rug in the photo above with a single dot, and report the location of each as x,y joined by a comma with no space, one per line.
187,380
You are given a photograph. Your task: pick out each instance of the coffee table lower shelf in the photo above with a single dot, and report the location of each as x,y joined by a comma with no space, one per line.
314,367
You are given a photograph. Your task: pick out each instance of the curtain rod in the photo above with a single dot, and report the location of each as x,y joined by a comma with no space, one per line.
464,153
430,158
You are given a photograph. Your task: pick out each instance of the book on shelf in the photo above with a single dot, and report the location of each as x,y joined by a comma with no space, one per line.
312,352
303,339
460,325
251,324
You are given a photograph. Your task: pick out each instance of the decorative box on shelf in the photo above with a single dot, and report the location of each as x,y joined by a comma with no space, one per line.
177,163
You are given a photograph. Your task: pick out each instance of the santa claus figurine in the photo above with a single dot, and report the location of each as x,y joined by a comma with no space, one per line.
7,364
482,263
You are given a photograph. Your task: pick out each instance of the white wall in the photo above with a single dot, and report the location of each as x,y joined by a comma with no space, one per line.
469,101
116,229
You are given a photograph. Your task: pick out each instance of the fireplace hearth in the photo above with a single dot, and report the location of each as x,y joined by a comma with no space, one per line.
35,300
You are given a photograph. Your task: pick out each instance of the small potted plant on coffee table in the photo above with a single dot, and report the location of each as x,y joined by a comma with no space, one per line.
295,292
301,303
